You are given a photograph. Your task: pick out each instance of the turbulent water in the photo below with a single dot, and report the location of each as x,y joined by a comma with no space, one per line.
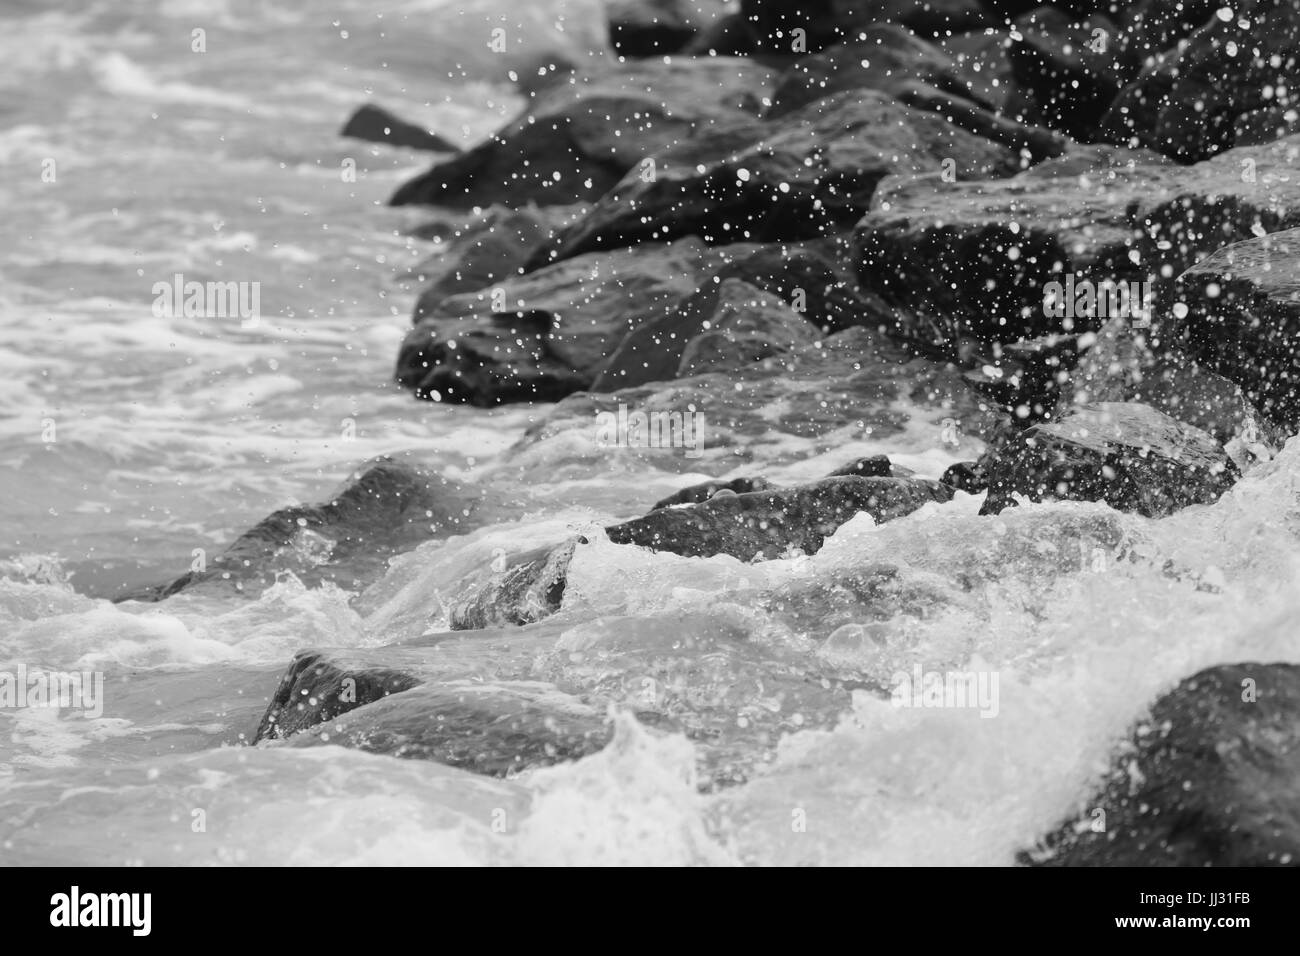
131,440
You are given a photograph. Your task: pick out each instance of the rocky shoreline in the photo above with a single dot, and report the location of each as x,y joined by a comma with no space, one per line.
852,212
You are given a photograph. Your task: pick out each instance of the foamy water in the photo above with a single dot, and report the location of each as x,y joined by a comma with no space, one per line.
129,440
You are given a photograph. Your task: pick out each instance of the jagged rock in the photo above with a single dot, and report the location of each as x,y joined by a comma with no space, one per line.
1129,455
748,325
376,125
571,318
973,260
1210,778
655,27
528,587
1238,313
1187,104
1072,69
769,523
811,175
882,59
694,494
966,476
981,62
826,22
807,276
494,729
489,250
576,141
873,466
389,507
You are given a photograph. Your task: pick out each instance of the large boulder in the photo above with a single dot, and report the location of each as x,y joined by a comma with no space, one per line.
547,334
748,326
1189,102
577,140
1210,778
1126,454
811,175
976,260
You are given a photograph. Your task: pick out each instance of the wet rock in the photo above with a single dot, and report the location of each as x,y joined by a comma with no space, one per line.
826,22
748,326
1071,69
967,476
1034,143
882,58
694,494
1128,455
807,276
811,175
576,141
570,319
873,466
769,524
527,588
980,61
1209,779
976,259
494,729
489,250
1187,104
388,508
375,124
656,27
1237,312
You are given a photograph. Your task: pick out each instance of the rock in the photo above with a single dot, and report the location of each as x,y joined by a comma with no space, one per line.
576,141
495,729
655,27
882,59
965,476
981,63
826,22
748,325
1126,454
488,250
769,524
729,35
806,275
529,588
975,259
1209,779
376,125
388,508
1187,104
569,320
1238,313
1072,69
694,494
812,175
873,466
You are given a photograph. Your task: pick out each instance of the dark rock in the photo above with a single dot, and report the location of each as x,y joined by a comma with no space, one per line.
571,318
966,476
729,35
1071,69
807,276
826,22
812,175
495,729
981,63
694,494
529,588
388,508
748,326
973,260
376,125
1237,312
576,141
1211,778
768,524
656,27
489,250
873,466
1187,104
1128,455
